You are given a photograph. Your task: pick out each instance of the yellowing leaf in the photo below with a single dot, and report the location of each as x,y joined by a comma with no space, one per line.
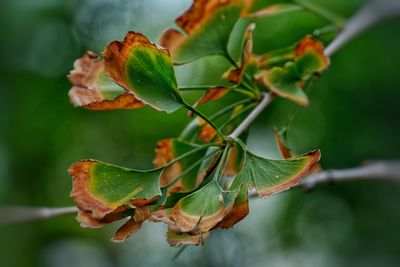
101,188
274,176
235,75
212,94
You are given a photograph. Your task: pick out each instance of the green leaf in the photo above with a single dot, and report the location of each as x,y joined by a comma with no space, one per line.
208,27
203,209
100,188
283,82
273,176
147,71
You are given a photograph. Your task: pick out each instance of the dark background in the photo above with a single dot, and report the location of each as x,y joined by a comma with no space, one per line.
354,116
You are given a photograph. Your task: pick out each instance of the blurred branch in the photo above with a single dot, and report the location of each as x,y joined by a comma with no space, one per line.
376,170
14,214
372,13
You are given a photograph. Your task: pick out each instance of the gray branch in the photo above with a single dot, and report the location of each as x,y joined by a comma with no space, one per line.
372,13
376,170
266,99
14,214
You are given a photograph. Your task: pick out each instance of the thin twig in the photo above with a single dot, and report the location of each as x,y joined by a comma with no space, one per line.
376,170
372,13
14,214
266,99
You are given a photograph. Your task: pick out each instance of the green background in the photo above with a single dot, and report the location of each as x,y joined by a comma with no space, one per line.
354,116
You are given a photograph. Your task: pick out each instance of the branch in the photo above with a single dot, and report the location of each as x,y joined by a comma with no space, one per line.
372,13
14,214
266,99
377,170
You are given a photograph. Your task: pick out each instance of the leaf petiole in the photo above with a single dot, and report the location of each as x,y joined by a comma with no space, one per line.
191,167
205,118
197,149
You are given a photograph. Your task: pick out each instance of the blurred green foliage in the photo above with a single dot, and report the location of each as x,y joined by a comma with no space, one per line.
353,116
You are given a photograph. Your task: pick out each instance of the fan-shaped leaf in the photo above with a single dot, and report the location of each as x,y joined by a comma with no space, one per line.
139,66
101,188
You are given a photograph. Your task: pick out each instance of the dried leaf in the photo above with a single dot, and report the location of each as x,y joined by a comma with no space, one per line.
132,225
212,94
235,76
93,89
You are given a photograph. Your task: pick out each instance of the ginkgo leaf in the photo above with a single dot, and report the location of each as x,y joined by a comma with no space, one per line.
169,149
95,90
101,188
203,209
273,176
183,239
207,26
235,75
138,65
288,81
282,82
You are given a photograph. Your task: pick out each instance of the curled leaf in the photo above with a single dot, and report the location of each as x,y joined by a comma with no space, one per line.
310,56
207,25
101,188
235,75
288,80
287,154
132,225
274,176
283,149
203,209
93,89
139,66
87,220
